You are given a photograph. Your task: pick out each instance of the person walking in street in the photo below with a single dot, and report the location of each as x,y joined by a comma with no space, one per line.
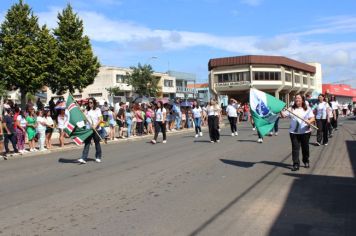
335,109
299,130
31,128
94,118
197,116
160,122
213,110
322,118
275,128
231,112
9,132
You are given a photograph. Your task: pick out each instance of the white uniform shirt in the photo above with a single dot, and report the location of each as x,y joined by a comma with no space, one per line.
159,114
231,111
298,126
197,112
93,117
334,105
321,110
213,110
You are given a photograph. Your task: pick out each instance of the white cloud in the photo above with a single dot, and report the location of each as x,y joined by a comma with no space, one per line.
253,3
334,56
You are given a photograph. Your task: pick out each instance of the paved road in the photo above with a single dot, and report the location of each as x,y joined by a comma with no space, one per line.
185,187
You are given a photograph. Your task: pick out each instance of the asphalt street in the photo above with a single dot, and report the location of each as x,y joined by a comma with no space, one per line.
185,187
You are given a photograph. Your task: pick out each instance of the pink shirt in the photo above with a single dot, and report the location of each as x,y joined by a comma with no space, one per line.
138,115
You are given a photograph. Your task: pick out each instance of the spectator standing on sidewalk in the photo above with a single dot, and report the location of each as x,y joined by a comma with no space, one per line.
129,121
21,124
41,130
61,120
2,139
112,123
31,128
49,128
231,112
160,122
9,131
149,119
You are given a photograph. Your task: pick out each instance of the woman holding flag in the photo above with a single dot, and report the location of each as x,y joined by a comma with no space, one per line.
300,129
94,118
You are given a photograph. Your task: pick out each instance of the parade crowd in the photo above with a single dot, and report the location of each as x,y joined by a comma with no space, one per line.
34,125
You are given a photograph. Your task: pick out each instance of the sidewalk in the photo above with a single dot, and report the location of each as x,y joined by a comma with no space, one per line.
69,144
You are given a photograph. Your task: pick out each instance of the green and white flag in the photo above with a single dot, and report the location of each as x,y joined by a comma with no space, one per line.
75,125
264,110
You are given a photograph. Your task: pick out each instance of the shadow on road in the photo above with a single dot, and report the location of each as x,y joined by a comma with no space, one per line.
320,205
64,160
247,164
247,141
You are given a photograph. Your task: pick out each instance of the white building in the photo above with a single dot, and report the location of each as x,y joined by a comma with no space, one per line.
109,77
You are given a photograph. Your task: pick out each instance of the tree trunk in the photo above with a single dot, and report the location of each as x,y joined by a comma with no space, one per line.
23,98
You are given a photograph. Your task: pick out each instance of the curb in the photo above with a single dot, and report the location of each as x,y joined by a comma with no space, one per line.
73,146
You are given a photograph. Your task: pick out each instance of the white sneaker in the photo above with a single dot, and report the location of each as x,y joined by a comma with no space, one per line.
236,133
233,134
153,141
218,141
196,136
164,141
276,134
212,141
219,130
271,134
97,160
81,161
201,134
260,140
254,129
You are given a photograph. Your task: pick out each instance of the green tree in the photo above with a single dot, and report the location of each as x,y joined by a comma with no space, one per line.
143,81
114,91
76,65
26,51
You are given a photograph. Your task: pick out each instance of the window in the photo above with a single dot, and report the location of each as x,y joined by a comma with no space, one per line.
120,78
297,79
233,77
168,83
267,75
312,82
305,80
288,77
95,95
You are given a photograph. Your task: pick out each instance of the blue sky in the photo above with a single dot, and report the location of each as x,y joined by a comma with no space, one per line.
183,35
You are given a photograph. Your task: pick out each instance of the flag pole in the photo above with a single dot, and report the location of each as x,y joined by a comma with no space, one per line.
85,117
301,119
